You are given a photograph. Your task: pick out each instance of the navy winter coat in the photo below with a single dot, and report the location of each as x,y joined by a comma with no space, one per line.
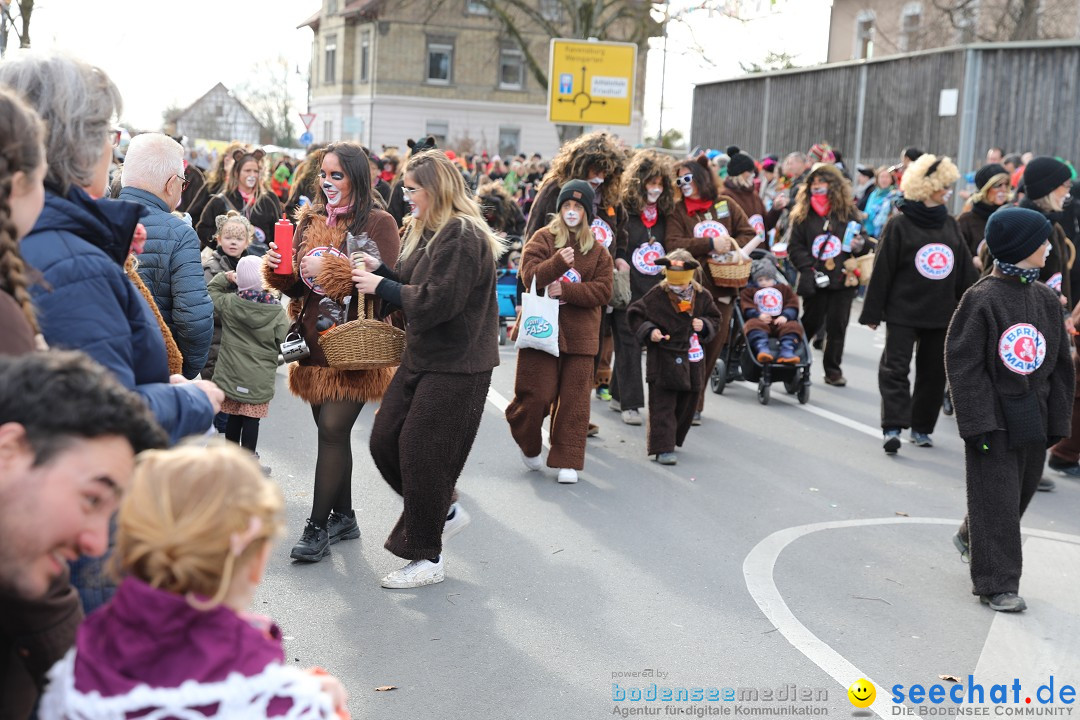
86,302
171,267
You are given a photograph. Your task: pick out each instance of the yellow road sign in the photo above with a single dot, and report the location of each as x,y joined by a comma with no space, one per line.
591,83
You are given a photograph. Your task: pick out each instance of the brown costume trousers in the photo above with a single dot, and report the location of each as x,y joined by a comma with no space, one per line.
558,386
791,327
712,350
420,441
607,348
670,415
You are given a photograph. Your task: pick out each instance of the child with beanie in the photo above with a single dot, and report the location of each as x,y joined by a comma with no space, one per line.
253,326
771,311
1047,182
922,268
674,320
566,263
1011,379
176,641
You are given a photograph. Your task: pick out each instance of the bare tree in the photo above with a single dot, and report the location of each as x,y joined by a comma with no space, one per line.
25,9
267,96
1005,20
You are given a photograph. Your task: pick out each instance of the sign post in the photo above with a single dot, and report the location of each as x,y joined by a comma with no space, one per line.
590,82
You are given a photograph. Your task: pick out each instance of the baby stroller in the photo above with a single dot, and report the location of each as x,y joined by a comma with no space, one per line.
506,292
736,358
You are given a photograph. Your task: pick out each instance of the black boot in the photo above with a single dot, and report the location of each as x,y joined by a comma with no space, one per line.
788,343
759,343
314,544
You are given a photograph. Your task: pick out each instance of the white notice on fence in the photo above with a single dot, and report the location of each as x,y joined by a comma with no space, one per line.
948,102
612,87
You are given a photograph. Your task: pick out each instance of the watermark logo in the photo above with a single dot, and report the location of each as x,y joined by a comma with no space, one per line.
862,693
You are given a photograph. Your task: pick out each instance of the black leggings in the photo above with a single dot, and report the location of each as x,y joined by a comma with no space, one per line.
242,430
333,468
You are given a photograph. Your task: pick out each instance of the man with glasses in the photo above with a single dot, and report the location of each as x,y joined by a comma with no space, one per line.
170,265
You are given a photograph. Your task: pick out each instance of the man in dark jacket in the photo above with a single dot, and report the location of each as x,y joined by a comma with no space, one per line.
170,264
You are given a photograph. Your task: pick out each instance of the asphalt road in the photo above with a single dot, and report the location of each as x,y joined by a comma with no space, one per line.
556,595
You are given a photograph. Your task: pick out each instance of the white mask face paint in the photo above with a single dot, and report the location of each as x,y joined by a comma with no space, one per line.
333,195
653,194
571,218
686,189
250,181
948,194
1046,252
596,182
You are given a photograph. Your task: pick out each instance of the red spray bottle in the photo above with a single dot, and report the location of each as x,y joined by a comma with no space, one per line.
283,238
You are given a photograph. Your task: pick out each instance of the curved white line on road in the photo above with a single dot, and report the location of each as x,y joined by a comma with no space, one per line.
758,570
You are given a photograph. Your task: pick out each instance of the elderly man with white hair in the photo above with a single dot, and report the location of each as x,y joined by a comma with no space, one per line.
170,265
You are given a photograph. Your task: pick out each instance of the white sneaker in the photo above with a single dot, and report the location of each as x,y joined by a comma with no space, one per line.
455,524
533,463
631,417
568,475
416,574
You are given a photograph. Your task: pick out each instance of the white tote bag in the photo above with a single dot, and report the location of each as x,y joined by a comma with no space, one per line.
539,327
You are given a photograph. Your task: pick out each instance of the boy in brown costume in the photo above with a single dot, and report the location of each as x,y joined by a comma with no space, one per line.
675,320
770,310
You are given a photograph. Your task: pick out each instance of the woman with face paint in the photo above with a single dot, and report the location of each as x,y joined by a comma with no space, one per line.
648,201
214,183
741,186
1047,182
444,284
704,223
323,294
246,193
991,194
823,208
567,261
922,268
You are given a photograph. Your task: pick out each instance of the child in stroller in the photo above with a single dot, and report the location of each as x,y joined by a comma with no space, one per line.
770,309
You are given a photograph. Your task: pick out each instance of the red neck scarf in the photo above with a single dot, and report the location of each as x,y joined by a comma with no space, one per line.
649,215
694,207
248,199
333,213
821,204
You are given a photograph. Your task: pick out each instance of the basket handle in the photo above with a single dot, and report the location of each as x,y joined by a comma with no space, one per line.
366,309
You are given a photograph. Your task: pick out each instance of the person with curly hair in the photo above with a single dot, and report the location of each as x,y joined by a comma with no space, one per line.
22,197
823,208
503,216
648,200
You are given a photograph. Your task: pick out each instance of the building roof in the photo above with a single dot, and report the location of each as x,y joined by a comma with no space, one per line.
352,8
228,94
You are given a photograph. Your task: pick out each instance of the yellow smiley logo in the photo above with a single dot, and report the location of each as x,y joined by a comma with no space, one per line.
861,693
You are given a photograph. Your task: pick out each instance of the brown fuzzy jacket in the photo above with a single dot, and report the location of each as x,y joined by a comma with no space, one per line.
668,361
680,234
579,317
752,204
312,379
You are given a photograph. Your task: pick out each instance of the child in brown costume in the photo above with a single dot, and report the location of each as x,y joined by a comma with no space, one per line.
564,258
675,320
770,310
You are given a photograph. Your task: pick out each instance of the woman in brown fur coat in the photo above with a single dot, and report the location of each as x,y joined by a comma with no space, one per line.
336,397
566,260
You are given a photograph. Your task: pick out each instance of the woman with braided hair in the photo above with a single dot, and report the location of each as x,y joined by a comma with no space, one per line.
22,196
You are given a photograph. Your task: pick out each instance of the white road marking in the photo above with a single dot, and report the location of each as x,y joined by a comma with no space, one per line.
760,563
820,412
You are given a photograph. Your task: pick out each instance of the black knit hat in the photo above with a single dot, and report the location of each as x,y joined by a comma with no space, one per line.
984,174
580,191
739,163
1043,174
1013,234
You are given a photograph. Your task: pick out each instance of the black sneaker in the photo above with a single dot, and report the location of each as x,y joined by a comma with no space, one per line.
1004,602
313,546
342,527
1046,485
1063,466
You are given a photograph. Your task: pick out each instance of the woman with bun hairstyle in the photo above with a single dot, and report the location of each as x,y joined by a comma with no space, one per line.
823,208
246,193
705,223
319,286
565,261
444,284
214,181
193,540
648,201
22,197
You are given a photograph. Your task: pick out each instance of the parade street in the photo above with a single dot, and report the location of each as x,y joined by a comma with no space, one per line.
785,549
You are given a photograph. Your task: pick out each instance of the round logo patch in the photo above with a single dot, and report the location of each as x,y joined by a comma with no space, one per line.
602,232
710,229
1054,283
934,261
570,276
769,301
1022,348
826,246
260,236
645,257
696,353
758,223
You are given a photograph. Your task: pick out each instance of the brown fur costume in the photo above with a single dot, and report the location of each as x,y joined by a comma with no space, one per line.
312,379
176,360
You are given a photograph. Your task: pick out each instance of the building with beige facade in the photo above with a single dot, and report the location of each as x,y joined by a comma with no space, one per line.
382,72
861,29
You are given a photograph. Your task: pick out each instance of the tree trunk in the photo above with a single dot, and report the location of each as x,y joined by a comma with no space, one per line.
1027,22
569,132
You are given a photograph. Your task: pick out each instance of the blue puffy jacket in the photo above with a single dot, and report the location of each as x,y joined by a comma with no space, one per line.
171,267
86,302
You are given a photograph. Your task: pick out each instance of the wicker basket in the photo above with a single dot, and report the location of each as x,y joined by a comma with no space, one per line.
866,267
363,344
731,274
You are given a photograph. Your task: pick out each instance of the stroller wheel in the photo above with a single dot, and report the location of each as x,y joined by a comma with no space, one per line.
763,393
502,334
792,385
718,379
804,393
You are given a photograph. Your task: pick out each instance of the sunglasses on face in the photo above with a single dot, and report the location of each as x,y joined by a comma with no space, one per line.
684,180
407,191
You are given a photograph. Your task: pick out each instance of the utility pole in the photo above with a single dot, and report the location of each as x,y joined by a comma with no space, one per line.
663,77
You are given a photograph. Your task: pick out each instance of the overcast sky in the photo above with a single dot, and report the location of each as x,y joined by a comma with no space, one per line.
170,53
